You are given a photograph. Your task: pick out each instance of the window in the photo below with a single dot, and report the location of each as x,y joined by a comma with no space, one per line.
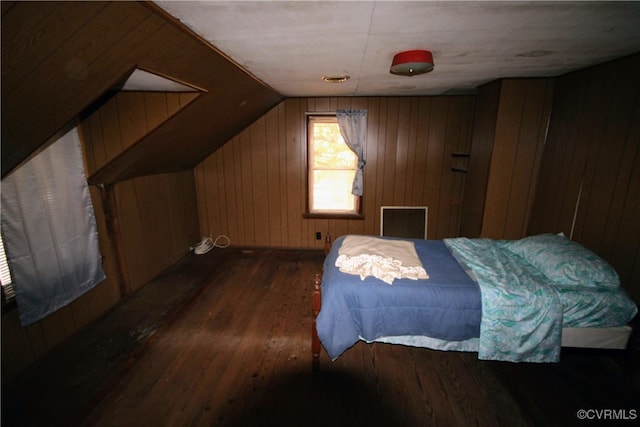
5,275
331,169
49,229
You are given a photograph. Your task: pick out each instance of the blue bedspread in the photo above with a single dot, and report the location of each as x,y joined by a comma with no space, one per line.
446,306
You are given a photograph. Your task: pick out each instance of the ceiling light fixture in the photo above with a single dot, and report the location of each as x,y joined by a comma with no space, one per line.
336,79
412,62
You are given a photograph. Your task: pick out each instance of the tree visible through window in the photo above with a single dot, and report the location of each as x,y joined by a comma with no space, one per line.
332,167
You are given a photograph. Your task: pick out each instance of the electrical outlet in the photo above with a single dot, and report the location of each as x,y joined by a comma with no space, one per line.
318,235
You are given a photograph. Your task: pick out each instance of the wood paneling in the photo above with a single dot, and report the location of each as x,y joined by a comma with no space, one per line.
591,166
509,139
253,189
65,67
159,222
124,119
157,214
58,58
521,123
484,129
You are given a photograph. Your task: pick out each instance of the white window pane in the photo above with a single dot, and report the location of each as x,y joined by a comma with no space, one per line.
329,149
332,190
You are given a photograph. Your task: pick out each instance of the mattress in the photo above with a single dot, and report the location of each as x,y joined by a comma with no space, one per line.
611,338
614,338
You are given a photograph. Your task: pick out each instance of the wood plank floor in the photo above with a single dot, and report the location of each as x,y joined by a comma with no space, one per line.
231,346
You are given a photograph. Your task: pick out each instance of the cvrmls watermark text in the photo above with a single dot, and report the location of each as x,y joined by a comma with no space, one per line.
607,414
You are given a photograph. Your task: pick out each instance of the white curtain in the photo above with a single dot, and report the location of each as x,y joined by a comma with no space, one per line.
353,127
50,230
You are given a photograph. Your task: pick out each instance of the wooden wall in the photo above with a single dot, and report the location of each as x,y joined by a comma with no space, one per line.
484,130
156,222
123,119
591,166
253,189
156,215
152,220
158,218
59,57
508,143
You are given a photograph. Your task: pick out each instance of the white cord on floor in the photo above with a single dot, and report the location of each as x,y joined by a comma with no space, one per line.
223,245
206,244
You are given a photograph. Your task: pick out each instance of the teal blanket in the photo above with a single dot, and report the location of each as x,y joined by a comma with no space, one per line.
521,313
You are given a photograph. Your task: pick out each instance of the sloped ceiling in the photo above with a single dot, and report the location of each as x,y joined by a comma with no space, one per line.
58,58
144,81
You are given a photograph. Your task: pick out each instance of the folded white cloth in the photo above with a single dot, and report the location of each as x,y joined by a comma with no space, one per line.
385,259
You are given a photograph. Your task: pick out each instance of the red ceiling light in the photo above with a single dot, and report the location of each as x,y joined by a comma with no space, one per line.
412,62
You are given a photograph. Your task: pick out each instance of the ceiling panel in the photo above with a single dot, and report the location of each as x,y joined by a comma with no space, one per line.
290,45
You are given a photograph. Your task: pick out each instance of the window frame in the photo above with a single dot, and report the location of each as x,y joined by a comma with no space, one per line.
6,281
338,214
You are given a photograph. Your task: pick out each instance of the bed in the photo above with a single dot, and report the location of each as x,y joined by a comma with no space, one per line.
511,300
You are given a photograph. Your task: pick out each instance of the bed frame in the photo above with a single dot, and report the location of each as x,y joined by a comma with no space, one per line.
615,338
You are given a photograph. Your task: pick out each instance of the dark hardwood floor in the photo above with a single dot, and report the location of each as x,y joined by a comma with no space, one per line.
224,339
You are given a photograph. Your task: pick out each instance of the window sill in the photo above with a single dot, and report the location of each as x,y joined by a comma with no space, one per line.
308,215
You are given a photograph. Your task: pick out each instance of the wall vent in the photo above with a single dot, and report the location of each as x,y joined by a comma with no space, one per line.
404,221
